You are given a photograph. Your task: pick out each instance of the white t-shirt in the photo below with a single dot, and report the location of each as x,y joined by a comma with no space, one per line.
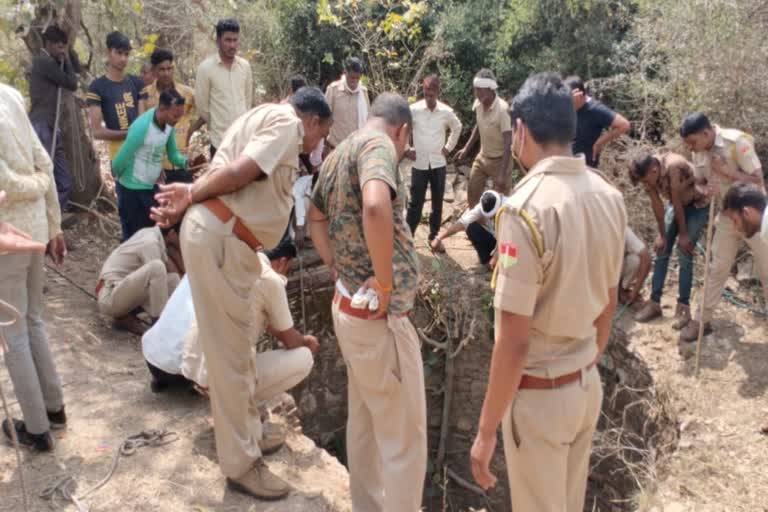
148,162
632,243
476,214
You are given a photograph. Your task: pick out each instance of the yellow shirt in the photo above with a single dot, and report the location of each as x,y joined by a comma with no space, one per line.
344,107
491,124
26,172
565,288
223,94
738,151
271,135
182,127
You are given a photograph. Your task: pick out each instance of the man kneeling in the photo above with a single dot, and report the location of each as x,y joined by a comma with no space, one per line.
142,272
172,349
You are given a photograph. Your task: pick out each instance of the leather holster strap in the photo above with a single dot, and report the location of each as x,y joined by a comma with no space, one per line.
531,382
222,212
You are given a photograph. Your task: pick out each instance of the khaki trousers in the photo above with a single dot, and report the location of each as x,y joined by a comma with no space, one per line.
221,270
629,269
547,443
149,287
725,245
386,427
29,359
483,168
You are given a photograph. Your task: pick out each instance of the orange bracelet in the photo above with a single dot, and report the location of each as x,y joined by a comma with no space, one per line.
382,287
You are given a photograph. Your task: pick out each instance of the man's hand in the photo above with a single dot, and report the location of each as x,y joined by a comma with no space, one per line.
685,244
445,152
311,343
412,154
480,459
435,243
719,166
14,240
173,200
596,149
659,244
57,249
384,296
461,155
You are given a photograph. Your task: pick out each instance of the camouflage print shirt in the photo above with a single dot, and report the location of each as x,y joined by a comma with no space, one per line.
363,156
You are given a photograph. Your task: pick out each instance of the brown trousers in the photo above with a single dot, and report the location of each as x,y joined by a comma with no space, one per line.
483,168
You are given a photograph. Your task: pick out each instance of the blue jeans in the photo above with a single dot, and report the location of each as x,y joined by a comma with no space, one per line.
695,219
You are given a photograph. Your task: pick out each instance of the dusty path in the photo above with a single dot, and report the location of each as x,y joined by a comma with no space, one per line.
107,394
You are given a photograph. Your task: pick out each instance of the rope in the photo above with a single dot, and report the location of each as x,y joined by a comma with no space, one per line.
63,487
301,286
15,317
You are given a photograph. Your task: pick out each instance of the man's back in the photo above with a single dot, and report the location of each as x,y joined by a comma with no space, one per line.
145,245
365,155
592,119
45,77
581,221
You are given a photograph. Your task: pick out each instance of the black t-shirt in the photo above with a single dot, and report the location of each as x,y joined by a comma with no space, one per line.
119,101
592,119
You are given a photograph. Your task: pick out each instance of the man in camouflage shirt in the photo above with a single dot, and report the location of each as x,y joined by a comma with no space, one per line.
358,227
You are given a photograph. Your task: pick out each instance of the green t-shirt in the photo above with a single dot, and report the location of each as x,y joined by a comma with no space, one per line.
363,156
139,162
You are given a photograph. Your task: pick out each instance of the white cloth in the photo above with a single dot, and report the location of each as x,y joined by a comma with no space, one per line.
163,344
476,214
301,192
632,243
362,105
485,83
429,134
764,226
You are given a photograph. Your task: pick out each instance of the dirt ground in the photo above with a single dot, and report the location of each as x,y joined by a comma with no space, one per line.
106,386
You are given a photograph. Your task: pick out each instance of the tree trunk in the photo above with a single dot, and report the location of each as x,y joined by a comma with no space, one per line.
78,147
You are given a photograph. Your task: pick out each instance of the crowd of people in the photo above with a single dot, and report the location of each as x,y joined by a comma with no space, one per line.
206,258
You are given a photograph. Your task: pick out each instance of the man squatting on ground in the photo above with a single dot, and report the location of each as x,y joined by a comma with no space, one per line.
241,205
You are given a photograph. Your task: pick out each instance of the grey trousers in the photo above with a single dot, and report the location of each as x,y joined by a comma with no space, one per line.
29,359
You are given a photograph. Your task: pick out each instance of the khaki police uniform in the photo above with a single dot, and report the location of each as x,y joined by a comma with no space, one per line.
548,270
738,151
222,269
491,124
135,275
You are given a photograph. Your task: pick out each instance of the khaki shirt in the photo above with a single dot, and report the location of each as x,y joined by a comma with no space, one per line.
344,107
271,135
182,127
269,301
146,245
581,220
223,94
738,151
491,124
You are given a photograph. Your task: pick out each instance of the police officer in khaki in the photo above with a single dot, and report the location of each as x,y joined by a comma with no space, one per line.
723,156
240,206
554,299
494,129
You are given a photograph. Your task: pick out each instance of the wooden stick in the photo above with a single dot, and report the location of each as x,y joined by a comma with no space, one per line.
707,253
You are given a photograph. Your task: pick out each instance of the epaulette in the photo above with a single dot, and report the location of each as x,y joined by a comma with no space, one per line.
515,204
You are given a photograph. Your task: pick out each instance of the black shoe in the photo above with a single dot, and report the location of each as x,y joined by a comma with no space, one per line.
40,442
58,420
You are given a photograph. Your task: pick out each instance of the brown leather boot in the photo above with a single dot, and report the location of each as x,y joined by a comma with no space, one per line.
649,311
691,331
682,317
260,483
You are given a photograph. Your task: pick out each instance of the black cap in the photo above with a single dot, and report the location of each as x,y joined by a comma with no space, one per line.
118,41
